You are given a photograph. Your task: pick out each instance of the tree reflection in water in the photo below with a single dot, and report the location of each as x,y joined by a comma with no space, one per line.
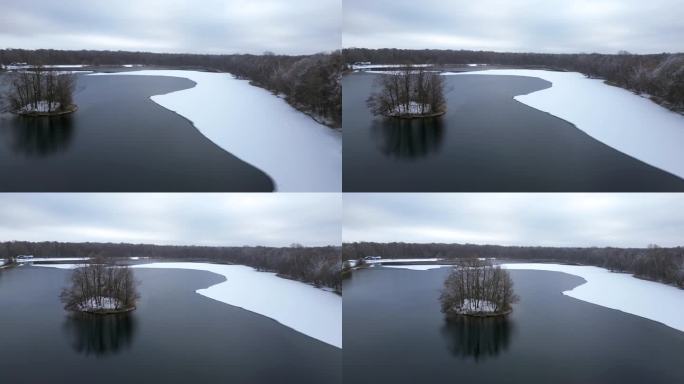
408,138
477,337
40,136
100,335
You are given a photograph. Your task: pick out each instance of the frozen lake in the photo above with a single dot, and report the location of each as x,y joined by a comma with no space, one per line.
119,140
175,336
487,141
394,332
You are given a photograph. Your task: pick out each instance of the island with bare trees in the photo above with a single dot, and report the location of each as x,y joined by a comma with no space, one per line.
38,91
409,93
477,288
101,289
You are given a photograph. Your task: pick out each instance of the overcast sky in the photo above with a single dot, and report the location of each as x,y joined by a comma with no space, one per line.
205,26
186,219
556,26
622,220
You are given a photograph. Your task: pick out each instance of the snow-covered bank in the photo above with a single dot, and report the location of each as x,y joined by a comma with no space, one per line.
614,116
60,265
308,310
299,154
621,291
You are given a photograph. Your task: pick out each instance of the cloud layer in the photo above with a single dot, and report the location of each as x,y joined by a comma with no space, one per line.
555,26
185,26
622,220
182,219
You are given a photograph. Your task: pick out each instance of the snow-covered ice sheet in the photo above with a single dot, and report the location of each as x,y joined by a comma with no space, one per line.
400,260
299,154
621,291
614,116
39,259
302,307
60,265
418,267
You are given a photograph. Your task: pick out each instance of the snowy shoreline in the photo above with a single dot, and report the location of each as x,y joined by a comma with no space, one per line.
299,154
614,116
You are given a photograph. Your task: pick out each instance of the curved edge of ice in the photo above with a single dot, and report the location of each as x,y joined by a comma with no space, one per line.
298,153
626,122
311,311
620,291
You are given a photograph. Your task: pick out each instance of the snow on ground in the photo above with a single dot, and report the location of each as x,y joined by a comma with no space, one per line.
299,154
308,310
418,267
2,262
614,116
414,108
621,291
477,306
41,106
103,303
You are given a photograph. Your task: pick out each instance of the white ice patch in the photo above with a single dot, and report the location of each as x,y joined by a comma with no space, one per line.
418,267
299,154
39,259
621,291
314,312
400,260
60,266
614,116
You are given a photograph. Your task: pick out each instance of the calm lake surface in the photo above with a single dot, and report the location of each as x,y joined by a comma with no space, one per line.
394,332
175,336
119,140
485,142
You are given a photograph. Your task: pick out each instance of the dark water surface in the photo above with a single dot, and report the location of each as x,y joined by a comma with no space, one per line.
119,140
394,333
175,336
485,142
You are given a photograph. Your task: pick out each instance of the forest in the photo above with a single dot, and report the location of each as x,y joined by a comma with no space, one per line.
320,266
660,76
309,83
653,263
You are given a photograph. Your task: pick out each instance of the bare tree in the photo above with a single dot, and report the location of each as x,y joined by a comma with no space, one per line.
409,92
102,288
40,91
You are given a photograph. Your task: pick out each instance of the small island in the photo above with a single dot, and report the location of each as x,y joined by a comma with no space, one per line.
37,91
409,93
477,288
101,289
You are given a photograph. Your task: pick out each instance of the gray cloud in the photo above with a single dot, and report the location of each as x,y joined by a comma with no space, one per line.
207,26
555,26
186,219
627,220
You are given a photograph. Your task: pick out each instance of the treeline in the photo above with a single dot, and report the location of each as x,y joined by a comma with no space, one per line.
659,75
654,263
320,266
310,83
